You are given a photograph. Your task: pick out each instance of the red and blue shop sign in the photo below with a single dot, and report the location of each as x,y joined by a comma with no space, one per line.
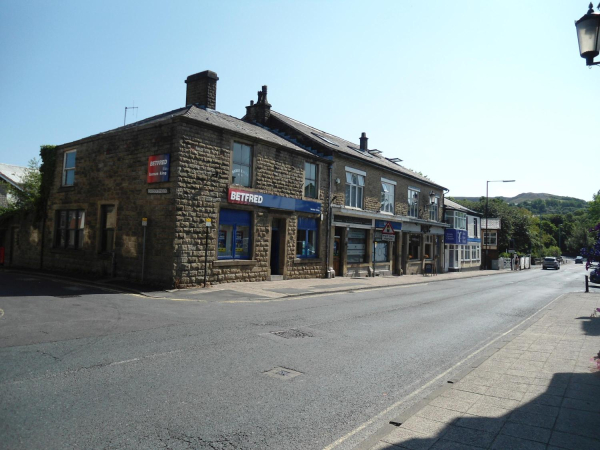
158,168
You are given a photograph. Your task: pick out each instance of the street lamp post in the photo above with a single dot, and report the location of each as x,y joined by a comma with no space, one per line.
487,185
588,35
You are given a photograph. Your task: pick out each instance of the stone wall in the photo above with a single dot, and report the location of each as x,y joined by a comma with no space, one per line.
112,169
20,235
205,176
372,189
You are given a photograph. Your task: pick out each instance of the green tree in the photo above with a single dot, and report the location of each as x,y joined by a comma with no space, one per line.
581,238
594,209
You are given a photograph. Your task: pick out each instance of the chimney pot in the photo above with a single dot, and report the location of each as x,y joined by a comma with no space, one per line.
202,89
364,141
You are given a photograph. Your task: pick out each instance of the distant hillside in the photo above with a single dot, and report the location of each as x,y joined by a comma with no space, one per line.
541,203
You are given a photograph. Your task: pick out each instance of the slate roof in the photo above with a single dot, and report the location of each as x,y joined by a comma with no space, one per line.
453,205
215,118
13,174
337,144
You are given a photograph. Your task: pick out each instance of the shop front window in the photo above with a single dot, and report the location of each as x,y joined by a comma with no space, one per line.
382,251
235,234
357,246
306,240
414,246
428,246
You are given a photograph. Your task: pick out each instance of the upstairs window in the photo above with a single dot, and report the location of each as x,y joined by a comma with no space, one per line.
387,196
68,178
456,220
355,184
490,238
242,164
413,202
434,208
310,180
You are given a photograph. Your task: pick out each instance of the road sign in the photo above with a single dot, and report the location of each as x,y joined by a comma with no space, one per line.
209,222
388,229
388,237
144,222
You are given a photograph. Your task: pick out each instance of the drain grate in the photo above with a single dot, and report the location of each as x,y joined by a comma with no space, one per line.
282,373
292,333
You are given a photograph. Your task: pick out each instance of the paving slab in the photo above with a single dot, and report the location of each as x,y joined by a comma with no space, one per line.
539,390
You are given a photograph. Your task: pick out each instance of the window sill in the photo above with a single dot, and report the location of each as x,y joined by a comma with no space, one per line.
308,261
234,262
67,250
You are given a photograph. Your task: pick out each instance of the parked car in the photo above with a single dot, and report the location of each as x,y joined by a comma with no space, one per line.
579,260
550,262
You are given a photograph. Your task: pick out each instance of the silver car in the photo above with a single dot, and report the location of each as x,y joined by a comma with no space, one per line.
550,262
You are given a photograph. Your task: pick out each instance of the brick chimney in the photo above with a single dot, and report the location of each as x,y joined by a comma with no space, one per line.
364,142
259,111
202,89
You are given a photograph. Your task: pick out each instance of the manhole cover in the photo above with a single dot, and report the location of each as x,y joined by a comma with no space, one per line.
291,334
282,373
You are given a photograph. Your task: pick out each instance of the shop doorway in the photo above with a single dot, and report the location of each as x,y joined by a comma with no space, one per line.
277,228
337,249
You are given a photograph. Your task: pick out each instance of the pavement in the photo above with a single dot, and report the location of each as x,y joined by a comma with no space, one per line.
537,389
265,290
270,290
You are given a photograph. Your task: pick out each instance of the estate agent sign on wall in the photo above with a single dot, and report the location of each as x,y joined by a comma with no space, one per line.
158,168
453,236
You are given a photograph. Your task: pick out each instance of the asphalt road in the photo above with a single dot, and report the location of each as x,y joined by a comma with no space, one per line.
82,367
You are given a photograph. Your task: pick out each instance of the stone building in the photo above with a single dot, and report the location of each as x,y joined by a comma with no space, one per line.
134,202
193,194
369,191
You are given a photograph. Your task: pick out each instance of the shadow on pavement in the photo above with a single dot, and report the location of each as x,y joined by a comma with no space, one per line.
35,283
591,325
563,412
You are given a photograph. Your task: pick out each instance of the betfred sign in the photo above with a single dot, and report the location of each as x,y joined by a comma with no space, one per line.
245,198
158,168
242,197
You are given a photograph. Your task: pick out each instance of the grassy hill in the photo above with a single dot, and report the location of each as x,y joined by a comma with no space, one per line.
541,203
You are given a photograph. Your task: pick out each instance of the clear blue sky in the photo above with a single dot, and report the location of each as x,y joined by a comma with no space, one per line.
462,91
